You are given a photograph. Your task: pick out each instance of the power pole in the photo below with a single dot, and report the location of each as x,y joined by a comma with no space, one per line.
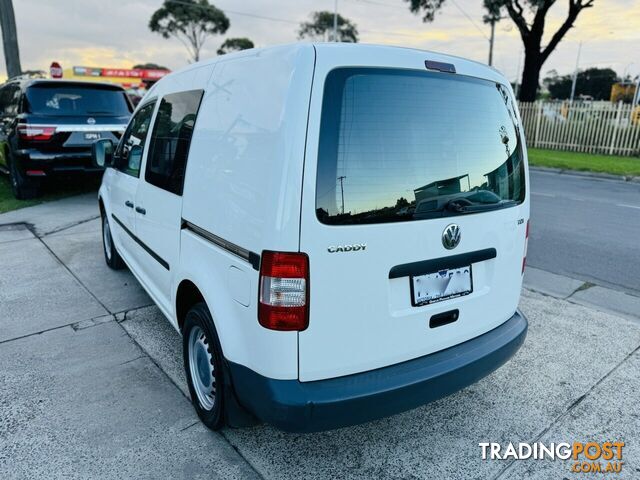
10,38
335,23
491,39
575,75
341,180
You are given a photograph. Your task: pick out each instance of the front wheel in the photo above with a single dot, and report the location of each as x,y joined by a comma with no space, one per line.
111,255
203,366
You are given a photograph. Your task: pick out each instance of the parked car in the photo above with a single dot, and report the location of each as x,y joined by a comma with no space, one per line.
48,126
254,196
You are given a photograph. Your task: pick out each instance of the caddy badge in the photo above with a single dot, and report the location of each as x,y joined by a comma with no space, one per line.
347,248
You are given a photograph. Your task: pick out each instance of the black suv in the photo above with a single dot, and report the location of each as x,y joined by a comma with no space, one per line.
47,128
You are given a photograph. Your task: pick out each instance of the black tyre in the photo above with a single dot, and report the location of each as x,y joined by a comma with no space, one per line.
203,366
111,255
23,188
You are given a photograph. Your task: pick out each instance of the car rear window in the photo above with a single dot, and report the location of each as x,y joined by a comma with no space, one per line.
402,145
52,99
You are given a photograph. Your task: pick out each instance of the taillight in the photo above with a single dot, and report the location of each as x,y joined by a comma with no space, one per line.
526,245
283,298
36,132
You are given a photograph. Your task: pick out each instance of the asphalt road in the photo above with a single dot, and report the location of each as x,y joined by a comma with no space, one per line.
586,228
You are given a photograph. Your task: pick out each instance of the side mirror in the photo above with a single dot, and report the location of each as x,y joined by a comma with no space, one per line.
102,153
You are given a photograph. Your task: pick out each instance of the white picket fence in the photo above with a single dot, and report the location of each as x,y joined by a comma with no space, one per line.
591,127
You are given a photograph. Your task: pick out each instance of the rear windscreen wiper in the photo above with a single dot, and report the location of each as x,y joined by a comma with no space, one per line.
456,206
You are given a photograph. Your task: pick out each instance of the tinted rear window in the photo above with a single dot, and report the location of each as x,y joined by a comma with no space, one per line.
53,99
401,145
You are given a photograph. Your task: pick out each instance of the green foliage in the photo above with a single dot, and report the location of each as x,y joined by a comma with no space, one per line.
235,45
584,161
322,22
595,82
190,21
428,8
529,16
402,202
493,9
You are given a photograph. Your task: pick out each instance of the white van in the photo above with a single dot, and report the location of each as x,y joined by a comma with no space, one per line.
338,231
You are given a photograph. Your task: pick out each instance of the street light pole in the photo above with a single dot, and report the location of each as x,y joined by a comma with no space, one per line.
491,39
575,74
335,21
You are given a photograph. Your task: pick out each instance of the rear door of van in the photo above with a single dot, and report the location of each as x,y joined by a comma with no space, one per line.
414,209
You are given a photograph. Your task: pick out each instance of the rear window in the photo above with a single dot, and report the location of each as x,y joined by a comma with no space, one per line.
402,145
52,99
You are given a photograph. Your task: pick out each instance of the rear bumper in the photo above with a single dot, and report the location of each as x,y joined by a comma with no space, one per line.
56,163
327,404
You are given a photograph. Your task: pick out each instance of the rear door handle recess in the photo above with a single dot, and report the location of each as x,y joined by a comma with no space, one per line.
128,204
141,210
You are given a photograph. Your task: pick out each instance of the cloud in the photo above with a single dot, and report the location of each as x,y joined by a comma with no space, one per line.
115,33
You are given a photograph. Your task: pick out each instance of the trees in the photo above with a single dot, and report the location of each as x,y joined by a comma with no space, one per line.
190,21
529,17
234,45
595,82
149,66
321,24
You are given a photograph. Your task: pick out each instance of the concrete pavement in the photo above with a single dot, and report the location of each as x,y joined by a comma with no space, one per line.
92,384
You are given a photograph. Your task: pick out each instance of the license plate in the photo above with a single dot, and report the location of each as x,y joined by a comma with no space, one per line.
441,285
92,136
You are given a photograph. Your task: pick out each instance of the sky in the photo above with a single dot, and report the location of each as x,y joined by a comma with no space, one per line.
114,33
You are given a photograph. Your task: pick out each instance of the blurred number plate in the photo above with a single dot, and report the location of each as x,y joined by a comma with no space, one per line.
92,136
442,285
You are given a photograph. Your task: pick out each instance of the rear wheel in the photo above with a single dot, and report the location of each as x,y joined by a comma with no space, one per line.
203,366
23,188
111,255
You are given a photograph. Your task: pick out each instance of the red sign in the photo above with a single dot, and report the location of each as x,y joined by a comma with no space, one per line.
133,73
55,70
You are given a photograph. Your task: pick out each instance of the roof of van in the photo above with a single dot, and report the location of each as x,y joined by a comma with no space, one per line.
482,69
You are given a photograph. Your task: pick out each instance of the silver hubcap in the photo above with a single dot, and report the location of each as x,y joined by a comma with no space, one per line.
106,237
201,368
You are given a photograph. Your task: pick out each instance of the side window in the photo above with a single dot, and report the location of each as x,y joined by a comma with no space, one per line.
12,100
4,99
9,96
170,140
130,148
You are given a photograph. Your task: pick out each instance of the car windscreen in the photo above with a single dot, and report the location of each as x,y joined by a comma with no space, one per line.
402,145
51,99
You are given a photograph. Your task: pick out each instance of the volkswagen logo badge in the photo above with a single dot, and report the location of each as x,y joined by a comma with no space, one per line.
451,236
91,121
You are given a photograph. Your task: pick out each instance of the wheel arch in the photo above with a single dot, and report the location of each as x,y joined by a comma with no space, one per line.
187,295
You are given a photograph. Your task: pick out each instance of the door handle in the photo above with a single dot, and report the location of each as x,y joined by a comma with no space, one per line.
141,210
128,204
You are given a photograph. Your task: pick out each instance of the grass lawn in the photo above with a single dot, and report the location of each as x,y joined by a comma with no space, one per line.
58,189
585,161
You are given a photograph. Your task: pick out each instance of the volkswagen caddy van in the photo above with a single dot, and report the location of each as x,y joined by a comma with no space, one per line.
338,231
